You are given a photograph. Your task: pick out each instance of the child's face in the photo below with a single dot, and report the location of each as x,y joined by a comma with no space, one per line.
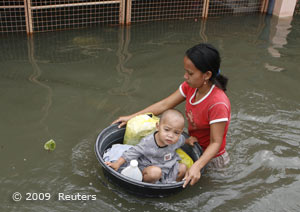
169,130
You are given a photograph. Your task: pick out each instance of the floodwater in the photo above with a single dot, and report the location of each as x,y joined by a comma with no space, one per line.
69,85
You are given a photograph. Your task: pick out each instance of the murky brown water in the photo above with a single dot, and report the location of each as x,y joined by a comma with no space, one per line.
69,85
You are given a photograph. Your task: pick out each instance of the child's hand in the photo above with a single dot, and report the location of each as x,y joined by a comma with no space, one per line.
115,166
191,140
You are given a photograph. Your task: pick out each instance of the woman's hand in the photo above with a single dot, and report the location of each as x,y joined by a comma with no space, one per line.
157,108
191,140
216,135
192,175
123,120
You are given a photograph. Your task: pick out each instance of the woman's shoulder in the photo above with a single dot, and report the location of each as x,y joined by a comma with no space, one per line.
218,93
218,96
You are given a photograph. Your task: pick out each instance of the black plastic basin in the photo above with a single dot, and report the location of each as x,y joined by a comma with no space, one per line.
114,135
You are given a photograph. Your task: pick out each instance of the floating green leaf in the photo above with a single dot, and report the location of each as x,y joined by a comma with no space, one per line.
50,145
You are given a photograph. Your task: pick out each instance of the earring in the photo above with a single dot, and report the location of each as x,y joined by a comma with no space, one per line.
204,82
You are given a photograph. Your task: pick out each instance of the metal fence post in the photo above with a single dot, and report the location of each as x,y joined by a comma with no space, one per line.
205,9
122,11
28,17
128,11
264,6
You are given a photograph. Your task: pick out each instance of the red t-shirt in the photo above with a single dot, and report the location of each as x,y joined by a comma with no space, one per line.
212,108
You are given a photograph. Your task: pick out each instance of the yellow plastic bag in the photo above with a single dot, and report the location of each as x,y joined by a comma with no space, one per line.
138,127
185,158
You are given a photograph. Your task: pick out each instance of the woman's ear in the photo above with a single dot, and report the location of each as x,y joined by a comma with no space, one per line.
157,125
207,75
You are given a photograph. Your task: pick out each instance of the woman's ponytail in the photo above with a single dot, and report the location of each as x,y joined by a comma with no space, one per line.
221,82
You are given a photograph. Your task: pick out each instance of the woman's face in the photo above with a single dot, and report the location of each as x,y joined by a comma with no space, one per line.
193,76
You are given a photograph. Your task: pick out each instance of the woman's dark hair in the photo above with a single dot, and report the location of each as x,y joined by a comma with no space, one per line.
206,57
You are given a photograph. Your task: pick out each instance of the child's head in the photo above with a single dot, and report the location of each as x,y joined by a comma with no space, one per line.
170,127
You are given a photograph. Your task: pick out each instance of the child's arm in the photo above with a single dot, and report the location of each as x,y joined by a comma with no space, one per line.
116,165
132,153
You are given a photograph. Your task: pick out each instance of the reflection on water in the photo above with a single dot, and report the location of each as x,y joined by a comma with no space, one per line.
69,85
34,78
279,35
278,38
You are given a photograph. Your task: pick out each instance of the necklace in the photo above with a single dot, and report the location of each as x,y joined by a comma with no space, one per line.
199,95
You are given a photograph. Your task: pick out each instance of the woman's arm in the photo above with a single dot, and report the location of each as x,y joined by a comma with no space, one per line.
216,137
157,108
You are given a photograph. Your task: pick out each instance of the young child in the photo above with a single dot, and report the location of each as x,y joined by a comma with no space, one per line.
156,152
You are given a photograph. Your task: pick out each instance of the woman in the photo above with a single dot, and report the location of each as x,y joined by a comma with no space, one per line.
207,108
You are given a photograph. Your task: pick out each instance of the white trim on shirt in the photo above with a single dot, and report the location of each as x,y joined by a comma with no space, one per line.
219,103
195,103
181,91
218,120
